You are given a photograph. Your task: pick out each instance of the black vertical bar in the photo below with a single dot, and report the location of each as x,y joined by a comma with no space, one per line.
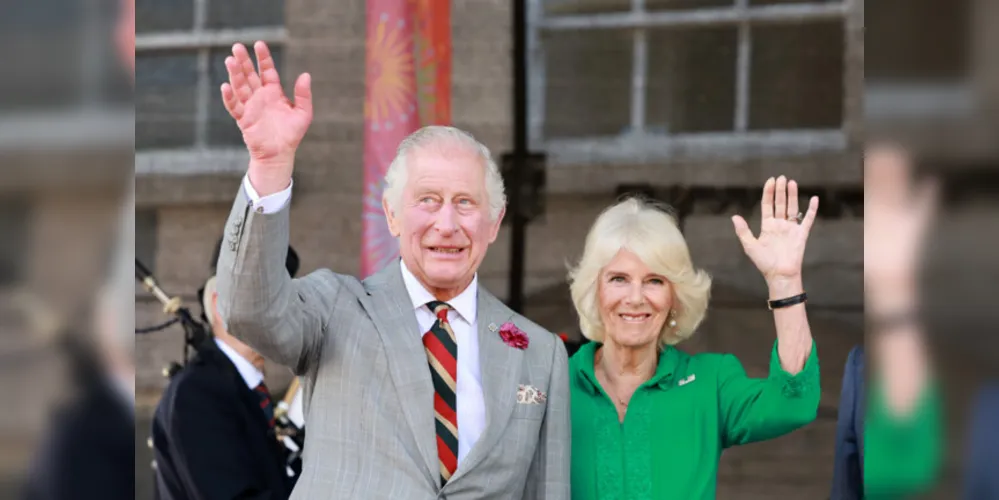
519,226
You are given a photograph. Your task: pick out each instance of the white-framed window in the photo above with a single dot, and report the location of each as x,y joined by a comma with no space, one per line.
636,81
181,126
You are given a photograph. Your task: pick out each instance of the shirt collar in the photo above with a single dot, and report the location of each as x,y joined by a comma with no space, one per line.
464,304
662,378
251,375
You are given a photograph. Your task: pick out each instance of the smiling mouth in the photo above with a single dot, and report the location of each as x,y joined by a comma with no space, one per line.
446,250
634,318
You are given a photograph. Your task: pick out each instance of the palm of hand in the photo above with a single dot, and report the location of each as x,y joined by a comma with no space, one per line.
779,250
896,218
270,123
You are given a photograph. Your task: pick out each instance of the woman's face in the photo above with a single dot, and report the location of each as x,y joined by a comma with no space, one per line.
634,301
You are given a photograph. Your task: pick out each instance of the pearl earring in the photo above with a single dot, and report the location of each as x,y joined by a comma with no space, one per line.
672,321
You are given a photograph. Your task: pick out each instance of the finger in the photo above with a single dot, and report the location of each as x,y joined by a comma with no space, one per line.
780,200
268,73
742,231
813,209
237,79
231,103
246,64
303,93
792,199
767,203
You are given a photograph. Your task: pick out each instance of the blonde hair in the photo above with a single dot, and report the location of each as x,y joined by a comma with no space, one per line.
649,232
439,135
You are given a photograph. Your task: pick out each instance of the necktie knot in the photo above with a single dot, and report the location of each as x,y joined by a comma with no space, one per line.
439,309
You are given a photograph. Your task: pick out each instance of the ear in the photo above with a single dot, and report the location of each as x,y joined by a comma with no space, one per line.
393,222
213,315
494,230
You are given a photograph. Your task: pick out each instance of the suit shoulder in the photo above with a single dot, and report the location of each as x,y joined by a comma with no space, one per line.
537,334
197,383
328,277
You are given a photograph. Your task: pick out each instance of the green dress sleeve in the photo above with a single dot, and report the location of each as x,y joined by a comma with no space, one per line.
902,454
757,409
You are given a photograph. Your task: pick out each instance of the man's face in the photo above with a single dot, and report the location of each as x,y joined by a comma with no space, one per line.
443,222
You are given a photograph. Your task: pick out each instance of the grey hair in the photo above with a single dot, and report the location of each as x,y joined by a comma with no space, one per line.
397,173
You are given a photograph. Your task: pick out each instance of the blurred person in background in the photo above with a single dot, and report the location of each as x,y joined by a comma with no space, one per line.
90,451
981,480
889,438
650,421
214,427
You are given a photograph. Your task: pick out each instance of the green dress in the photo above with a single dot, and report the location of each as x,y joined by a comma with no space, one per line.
902,454
678,423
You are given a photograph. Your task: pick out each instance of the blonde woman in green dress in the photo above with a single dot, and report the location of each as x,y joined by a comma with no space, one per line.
648,420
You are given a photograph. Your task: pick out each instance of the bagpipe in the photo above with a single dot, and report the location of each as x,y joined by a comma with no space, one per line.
289,418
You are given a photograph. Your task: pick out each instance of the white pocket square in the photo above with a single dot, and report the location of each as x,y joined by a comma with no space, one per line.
687,380
530,395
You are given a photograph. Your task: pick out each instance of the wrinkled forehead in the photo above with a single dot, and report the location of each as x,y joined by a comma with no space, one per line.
446,163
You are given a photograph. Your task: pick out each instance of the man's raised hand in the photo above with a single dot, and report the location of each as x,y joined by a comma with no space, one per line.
272,125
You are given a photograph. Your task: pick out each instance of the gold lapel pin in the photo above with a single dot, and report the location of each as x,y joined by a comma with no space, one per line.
492,327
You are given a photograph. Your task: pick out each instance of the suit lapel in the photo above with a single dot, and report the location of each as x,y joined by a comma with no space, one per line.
500,366
390,308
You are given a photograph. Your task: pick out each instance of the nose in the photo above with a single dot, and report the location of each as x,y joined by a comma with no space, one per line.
635,296
446,222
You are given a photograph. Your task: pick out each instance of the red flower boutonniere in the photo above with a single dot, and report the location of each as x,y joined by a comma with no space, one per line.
513,336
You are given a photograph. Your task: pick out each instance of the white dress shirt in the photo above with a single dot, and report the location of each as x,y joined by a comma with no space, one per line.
462,316
251,375
268,204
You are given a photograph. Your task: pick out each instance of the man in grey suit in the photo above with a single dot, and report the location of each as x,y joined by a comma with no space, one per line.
421,384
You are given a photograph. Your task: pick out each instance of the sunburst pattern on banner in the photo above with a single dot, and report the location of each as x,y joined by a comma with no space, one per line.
390,73
404,38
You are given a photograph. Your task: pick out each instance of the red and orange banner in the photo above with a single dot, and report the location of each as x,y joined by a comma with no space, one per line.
407,85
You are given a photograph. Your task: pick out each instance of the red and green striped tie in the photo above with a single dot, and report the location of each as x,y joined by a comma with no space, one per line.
442,353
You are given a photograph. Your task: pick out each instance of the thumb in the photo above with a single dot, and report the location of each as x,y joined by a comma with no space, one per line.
743,232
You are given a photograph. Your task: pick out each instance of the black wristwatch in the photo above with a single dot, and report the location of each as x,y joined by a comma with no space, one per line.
788,302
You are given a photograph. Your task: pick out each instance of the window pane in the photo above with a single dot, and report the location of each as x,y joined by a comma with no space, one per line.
568,7
691,80
660,5
929,44
588,83
222,129
245,13
796,76
49,16
164,15
43,73
778,2
165,88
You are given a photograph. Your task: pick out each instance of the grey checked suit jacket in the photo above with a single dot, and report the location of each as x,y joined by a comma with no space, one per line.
370,418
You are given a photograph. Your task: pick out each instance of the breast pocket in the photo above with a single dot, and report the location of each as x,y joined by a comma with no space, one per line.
530,411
